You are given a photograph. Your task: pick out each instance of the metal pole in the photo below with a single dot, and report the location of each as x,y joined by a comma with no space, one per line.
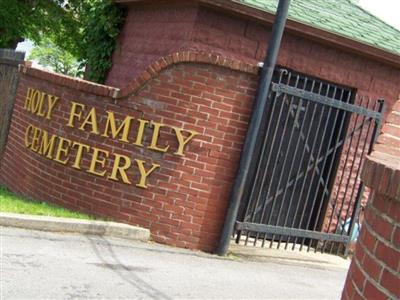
254,126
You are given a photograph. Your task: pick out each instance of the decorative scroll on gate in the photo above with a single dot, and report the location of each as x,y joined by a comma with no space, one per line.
305,189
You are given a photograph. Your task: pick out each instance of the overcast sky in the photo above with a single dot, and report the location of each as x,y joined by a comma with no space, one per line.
387,10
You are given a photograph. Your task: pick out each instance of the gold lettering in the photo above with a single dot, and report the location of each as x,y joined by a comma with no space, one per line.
79,152
46,146
154,138
124,127
27,133
36,99
73,113
143,173
139,138
39,111
182,140
52,101
28,99
95,161
35,139
62,150
117,168
91,120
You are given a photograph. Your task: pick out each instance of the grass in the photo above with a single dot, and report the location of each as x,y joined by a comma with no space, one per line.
12,203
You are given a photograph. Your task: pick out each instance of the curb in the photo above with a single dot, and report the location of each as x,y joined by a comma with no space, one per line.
289,257
55,224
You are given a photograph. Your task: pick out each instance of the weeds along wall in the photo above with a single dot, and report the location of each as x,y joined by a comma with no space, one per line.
161,154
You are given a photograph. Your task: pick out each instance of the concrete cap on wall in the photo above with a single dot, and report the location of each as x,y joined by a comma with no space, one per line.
11,57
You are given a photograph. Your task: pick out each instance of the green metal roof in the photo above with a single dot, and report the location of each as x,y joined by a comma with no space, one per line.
341,17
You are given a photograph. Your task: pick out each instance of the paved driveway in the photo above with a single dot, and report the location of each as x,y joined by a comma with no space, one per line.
68,266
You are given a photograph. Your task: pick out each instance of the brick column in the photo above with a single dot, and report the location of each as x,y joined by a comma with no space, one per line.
374,270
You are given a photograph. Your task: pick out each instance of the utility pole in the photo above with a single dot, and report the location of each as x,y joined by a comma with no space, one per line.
254,128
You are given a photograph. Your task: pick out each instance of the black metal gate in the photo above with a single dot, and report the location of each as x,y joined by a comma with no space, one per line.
305,188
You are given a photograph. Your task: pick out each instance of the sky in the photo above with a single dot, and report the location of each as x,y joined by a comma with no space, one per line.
387,10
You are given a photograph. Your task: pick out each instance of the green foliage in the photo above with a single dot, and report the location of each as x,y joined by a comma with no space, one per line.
33,19
102,21
48,54
86,29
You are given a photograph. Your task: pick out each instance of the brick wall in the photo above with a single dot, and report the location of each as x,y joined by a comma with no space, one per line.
182,65
207,30
152,32
374,271
149,33
186,198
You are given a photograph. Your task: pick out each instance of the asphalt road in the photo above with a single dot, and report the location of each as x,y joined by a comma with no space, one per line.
45,265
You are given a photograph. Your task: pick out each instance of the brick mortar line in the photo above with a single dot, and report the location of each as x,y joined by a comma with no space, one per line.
384,241
69,82
381,263
152,71
372,281
387,218
185,56
360,293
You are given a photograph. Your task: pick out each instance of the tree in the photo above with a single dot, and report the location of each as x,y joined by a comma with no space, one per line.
87,29
48,54
35,19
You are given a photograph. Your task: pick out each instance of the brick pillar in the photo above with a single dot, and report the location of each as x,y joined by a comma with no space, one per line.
375,268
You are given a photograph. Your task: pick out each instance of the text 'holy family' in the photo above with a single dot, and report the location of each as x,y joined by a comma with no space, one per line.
69,152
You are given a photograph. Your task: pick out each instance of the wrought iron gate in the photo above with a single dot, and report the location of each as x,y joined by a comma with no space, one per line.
305,188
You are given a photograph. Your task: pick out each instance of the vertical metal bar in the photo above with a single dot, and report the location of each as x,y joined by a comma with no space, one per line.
343,121
301,160
250,199
315,167
326,180
290,172
354,186
275,166
296,116
343,173
263,150
254,126
308,164
259,186
356,169
335,202
378,127
274,162
295,153
360,192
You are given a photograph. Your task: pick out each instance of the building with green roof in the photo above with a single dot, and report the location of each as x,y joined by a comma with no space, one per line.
342,17
334,40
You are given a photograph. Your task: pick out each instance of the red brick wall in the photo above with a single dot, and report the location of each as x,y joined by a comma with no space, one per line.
210,31
187,196
210,92
149,33
374,271
199,28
